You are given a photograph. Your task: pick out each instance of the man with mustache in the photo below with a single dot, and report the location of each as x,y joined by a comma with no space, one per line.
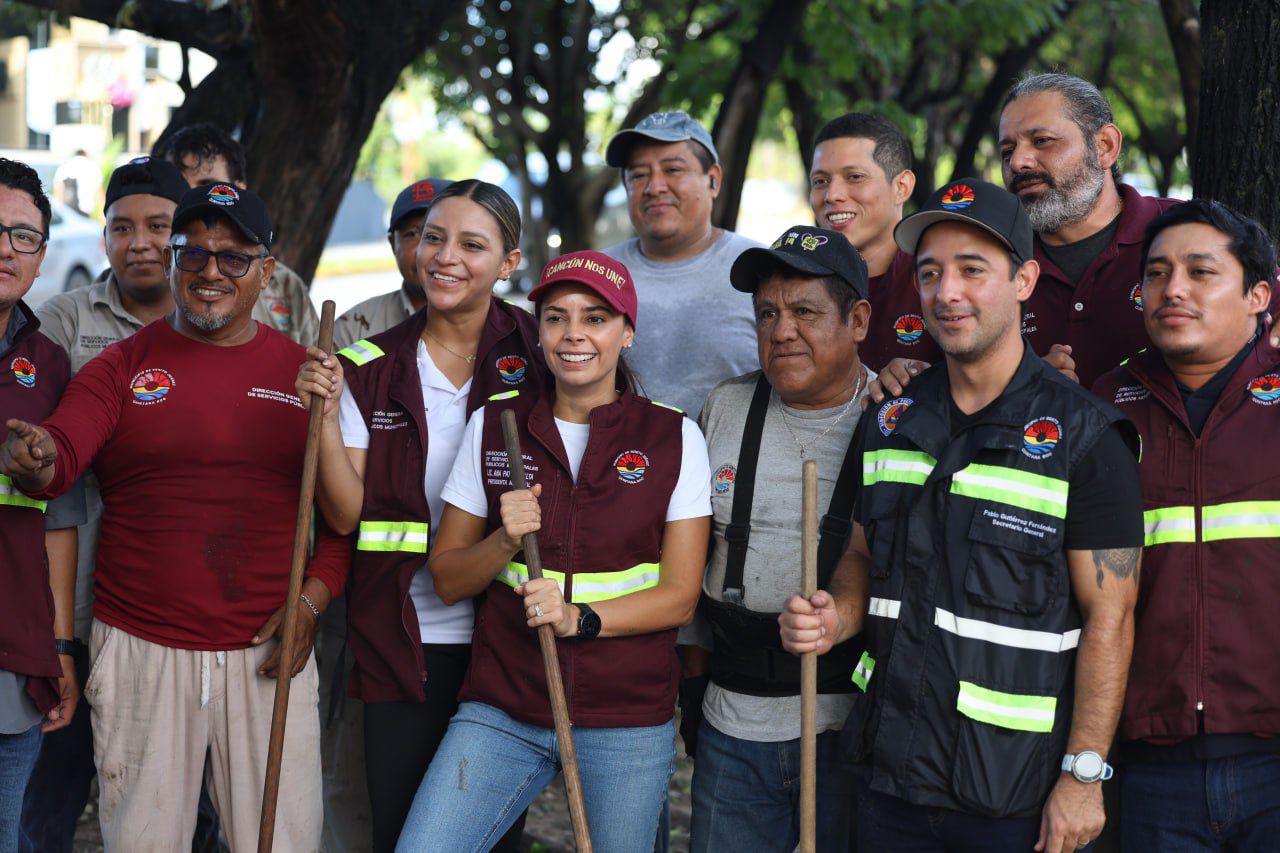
993,562
700,331
1200,732
1060,153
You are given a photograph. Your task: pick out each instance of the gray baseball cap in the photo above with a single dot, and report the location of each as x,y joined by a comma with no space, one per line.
658,127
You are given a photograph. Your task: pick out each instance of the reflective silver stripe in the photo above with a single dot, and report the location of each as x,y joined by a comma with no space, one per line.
1003,635
884,607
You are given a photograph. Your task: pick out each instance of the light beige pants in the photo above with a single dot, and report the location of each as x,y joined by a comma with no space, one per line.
157,713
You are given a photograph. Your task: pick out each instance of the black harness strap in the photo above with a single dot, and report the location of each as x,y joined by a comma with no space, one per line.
738,532
834,527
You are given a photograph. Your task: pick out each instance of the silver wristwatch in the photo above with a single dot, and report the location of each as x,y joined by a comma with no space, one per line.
1086,766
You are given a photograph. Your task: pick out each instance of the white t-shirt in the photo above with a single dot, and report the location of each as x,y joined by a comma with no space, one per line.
691,497
446,415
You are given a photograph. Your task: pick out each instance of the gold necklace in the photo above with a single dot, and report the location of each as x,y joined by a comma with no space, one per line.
469,359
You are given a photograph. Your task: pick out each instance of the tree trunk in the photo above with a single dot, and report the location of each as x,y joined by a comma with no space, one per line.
302,82
1183,24
1238,159
739,115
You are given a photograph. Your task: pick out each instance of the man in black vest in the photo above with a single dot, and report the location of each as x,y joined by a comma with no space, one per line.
993,562
809,293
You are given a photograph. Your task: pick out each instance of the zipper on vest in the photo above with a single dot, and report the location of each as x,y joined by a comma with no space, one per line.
1198,502
1170,454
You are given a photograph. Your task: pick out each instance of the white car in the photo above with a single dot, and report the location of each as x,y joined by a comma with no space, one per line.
75,255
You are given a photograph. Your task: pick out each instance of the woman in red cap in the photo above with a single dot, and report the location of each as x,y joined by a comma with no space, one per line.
620,501
387,448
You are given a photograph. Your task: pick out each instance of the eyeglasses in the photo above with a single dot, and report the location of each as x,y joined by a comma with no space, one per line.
23,239
230,264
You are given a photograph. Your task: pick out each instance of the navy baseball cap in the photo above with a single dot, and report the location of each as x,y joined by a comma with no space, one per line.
417,196
145,176
242,207
991,208
658,127
808,250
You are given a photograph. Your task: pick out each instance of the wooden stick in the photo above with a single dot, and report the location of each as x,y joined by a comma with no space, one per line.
301,533
809,667
550,660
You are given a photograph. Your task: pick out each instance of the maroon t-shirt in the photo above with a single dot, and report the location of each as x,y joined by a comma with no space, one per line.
897,323
1101,316
198,449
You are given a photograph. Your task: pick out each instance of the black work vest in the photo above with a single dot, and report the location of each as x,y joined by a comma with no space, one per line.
972,625
747,654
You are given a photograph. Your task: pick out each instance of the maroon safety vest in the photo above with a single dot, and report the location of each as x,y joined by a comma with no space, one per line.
395,520
1207,626
33,373
601,538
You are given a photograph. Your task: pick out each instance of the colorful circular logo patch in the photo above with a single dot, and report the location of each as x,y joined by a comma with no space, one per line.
891,412
24,370
1266,389
909,328
1135,296
722,482
1040,437
631,466
958,197
512,368
223,195
280,313
151,386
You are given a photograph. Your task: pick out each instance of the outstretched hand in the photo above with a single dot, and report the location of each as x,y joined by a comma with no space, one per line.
28,455
892,379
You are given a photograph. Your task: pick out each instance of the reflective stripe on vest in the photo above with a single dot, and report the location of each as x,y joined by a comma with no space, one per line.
1241,520
668,406
896,466
862,672
884,607
590,586
1013,487
1170,524
11,496
411,536
1003,635
504,395
362,352
1006,710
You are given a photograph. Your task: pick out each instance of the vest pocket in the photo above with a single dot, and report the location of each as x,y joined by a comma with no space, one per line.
1014,561
1003,761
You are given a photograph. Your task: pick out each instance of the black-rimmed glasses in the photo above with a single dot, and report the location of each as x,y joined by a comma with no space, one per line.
230,264
23,239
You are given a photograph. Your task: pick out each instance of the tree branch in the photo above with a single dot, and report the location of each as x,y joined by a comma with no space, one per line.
216,32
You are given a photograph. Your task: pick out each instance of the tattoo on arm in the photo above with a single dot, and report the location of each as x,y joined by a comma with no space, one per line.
1120,562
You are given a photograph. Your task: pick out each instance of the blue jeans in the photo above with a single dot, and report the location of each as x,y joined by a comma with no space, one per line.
888,824
489,768
17,757
746,794
1222,804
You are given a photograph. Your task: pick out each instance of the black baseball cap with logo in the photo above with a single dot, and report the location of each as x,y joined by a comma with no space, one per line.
808,250
987,206
417,196
145,176
242,207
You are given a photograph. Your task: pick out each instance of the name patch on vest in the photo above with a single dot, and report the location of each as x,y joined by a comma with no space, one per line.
1131,394
1016,523
498,473
388,420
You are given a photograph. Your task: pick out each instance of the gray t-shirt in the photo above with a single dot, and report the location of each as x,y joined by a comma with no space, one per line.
771,573
693,329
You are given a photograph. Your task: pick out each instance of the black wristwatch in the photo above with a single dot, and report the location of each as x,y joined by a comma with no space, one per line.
588,622
64,647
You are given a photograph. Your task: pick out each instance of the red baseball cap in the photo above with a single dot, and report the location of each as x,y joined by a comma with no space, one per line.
606,277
